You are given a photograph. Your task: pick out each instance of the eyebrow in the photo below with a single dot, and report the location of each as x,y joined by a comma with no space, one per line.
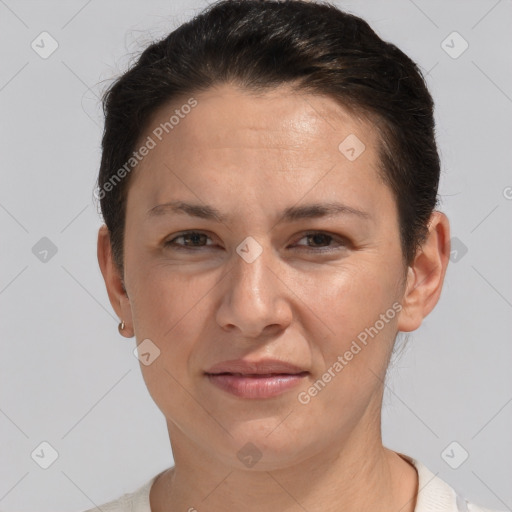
290,214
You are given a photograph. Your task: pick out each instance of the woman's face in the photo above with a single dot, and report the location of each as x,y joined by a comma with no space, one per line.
259,285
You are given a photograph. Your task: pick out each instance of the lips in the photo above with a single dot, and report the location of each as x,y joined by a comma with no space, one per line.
257,379
255,368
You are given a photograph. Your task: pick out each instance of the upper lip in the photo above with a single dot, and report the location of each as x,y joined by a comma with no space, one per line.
261,367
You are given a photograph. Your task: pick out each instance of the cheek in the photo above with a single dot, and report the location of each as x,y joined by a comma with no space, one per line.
164,294
356,295
169,307
352,360
347,297
361,309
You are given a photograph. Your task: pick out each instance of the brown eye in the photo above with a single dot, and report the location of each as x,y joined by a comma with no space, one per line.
319,241
191,240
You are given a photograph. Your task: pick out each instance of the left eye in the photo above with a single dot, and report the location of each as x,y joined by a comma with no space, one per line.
196,238
319,237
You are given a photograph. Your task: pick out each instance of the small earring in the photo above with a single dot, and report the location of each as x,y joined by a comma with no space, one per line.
121,327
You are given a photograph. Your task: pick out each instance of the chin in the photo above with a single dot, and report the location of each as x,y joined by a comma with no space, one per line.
264,445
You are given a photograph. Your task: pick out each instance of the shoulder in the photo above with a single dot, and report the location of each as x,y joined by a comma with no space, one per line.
471,507
136,501
436,494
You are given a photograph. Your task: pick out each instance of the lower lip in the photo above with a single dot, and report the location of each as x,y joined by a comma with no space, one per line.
264,386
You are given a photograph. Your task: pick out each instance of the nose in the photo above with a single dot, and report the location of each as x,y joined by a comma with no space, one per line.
255,298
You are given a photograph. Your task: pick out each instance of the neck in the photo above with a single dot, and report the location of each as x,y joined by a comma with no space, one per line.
357,475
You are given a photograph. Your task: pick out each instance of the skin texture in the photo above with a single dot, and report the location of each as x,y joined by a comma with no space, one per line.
251,156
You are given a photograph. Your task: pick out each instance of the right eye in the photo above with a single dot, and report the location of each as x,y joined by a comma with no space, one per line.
194,238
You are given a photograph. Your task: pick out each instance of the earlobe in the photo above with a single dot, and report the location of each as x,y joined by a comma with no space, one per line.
113,281
426,274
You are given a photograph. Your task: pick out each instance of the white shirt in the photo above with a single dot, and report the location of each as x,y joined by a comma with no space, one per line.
434,495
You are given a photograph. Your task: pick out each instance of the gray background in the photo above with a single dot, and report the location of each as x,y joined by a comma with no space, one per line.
69,379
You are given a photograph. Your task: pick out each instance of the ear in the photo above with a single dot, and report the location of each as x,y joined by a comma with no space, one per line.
113,281
426,274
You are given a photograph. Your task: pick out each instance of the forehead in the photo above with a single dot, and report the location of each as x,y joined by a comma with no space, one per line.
277,142
281,118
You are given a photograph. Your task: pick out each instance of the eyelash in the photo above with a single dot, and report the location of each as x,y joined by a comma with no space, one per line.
342,241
